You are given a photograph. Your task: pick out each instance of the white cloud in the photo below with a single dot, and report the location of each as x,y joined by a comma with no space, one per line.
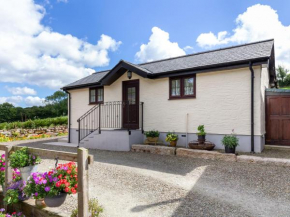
34,101
158,47
21,90
33,53
65,1
259,22
15,100
188,48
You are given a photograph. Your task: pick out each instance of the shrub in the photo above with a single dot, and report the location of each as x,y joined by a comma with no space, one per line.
37,123
21,158
94,209
171,137
152,133
201,131
230,141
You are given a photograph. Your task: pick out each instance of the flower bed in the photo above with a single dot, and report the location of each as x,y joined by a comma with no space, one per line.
4,138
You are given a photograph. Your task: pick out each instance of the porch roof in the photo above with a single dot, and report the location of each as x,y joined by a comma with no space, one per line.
240,55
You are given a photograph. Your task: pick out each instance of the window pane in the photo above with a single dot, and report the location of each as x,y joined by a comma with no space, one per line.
188,86
93,96
175,87
131,95
100,95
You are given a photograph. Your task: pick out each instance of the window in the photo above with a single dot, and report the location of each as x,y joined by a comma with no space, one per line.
182,87
96,95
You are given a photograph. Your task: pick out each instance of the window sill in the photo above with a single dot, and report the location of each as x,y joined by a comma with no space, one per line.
178,98
96,103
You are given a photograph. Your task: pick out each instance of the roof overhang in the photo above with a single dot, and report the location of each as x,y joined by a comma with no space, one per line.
120,69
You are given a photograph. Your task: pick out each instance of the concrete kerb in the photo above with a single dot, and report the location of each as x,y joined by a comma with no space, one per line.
212,155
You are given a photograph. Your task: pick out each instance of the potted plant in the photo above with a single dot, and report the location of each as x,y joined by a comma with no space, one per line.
14,192
152,135
52,187
230,142
14,214
24,161
201,134
172,138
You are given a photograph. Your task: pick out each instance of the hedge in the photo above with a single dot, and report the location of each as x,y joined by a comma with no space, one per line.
32,124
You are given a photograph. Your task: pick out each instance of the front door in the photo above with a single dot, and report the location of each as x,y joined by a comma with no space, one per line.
131,104
278,119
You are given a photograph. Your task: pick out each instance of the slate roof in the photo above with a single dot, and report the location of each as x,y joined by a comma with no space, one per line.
251,51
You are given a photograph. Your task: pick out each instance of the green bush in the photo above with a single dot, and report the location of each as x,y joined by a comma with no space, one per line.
201,131
171,137
152,133
22,158
37,123
230,141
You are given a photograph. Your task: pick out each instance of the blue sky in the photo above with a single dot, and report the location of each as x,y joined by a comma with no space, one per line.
56,42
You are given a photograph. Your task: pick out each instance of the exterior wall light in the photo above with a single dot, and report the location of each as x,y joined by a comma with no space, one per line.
129,74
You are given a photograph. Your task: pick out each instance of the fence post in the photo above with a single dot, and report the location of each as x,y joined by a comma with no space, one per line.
83,182
8,171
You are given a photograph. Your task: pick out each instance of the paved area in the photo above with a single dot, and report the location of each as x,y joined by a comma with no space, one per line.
140,184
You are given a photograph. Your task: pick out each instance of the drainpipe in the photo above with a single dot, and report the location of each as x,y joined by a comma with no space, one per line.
69,115
252,107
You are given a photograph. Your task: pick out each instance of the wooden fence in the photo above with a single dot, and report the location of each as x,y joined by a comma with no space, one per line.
82,158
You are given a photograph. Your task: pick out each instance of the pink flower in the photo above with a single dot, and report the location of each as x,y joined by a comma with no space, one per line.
2,168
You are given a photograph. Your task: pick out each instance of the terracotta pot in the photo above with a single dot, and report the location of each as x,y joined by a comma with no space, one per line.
173,143
55,201
26,171
40,203
152,139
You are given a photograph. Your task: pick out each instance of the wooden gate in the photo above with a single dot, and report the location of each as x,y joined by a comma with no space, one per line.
278,117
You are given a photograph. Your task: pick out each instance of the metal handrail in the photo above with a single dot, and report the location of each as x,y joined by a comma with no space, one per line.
114,115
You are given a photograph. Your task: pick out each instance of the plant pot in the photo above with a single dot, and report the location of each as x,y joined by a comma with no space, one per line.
201,139
40,203
230,150
55,201
173,143
152,139
26,171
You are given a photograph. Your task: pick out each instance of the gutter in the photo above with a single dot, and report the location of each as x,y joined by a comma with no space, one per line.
252,107
69,115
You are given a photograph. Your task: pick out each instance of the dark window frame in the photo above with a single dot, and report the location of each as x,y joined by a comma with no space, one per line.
182,95
96,95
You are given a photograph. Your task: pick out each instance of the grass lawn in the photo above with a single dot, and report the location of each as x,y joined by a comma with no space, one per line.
287,88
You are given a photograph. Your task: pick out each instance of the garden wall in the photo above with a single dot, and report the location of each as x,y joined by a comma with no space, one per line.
29,209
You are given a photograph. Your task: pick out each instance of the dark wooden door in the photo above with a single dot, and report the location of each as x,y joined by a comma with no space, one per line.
131,104
278,120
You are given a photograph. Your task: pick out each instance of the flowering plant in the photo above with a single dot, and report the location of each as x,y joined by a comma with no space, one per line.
62,179
15,192
22,158
40,185
2,169
14,214
16,175
67,175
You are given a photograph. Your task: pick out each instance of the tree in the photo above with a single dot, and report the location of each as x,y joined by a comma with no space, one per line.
58,102
7,112
281,74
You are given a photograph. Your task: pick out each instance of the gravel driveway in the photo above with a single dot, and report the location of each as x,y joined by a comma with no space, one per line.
140,184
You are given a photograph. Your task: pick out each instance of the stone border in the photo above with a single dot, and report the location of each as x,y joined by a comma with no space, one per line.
212,155
162,150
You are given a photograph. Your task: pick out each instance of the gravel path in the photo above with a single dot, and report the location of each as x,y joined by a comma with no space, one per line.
138,184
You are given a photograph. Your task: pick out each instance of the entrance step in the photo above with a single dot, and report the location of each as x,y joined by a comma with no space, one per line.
277,147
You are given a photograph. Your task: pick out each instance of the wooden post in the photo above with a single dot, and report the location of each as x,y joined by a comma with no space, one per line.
83,182
8,171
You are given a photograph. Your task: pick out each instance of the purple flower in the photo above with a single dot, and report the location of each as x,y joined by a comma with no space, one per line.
36,194
55,179
33,157
44,181
47,189
2,210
